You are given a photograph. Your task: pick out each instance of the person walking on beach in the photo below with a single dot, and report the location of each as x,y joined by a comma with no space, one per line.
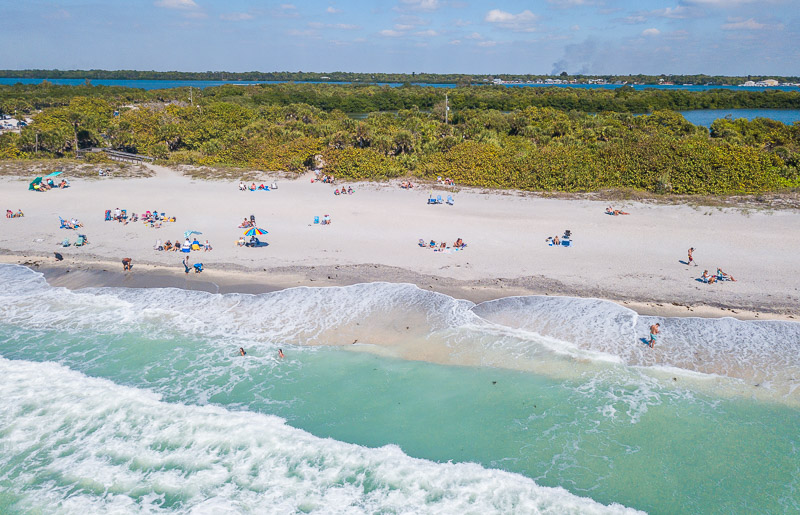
691,259
186,264
653,334
126,264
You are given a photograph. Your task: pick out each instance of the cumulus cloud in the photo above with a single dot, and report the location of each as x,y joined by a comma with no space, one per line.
474,35
522,22
236,16
651,32
176,4
427,33
389,33
487,43
332,10
455,42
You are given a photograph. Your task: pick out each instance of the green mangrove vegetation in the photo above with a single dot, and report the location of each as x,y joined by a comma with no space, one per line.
537,139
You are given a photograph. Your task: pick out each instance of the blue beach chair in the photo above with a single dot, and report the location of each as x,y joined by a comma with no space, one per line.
450,200
439,199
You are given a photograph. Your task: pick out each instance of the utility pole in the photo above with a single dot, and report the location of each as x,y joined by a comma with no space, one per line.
191,96
446,109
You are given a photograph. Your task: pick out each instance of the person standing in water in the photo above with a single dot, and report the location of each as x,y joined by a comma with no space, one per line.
691,259
653,334
280,353
242,352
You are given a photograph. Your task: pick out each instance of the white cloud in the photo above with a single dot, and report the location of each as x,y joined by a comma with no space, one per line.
339,26
427,33
740,24
455,42
487,43
389,33
570,3
651,32
177,4
474,35
720,3
575,28
522,22
236,16
288,7
402,26
332,10
461,23
420,5
58,14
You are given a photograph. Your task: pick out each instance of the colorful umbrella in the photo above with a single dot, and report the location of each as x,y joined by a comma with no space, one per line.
186,234
52,174
255,231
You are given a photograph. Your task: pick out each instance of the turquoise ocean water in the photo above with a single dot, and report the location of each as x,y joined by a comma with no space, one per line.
132,400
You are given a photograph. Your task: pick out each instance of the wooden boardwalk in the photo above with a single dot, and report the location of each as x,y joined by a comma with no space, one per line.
117,155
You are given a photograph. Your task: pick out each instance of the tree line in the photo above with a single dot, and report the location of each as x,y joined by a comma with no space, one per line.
529,148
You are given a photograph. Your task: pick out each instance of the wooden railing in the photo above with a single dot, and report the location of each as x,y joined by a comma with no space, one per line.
116,155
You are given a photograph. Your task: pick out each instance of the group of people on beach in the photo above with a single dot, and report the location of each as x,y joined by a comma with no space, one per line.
50,184
323,178
253,187
72,223
348,191
447,181
441,247
178,247
707,278
11,214
406,185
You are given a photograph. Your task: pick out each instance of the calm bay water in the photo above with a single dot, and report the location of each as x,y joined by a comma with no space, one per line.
137,400
706,117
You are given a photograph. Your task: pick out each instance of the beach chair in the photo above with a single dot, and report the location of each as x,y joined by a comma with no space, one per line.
431,200
65,243
108,215
316,219
422,243
566,243
450,200
64,224
124,214
439,199
81,241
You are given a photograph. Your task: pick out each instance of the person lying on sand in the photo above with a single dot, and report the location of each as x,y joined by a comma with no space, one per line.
721,276
459,244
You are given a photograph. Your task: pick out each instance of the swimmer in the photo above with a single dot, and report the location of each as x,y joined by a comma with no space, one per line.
280,353
653,334
241,351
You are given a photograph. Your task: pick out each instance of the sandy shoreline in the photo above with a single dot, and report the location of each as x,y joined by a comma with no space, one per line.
75,275
633,260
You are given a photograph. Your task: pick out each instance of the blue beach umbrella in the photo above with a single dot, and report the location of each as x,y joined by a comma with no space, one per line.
189,233
52,174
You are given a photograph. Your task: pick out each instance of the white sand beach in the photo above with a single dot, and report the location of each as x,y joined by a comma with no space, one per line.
634,259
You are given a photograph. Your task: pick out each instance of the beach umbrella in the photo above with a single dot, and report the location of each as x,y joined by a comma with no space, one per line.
189,233
37,180
255,231
52,174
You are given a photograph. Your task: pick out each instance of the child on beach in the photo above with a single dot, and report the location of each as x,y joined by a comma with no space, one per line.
691,258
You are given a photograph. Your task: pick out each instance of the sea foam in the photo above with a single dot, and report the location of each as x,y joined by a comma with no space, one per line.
74,444
540,333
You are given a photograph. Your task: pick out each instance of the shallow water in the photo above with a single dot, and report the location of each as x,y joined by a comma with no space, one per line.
137,400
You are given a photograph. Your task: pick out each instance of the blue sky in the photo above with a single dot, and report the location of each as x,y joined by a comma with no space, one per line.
727,37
